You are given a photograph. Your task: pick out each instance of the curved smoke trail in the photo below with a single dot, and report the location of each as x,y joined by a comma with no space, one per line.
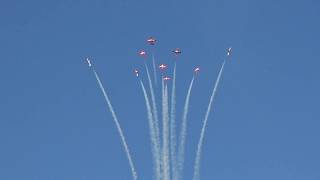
198,154
133,171
165,117
155,150
173,140
183,132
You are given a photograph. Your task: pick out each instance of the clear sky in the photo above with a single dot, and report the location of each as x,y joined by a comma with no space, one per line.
54,124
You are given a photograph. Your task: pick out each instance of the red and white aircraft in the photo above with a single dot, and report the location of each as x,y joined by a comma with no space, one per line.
136,72
142,53
151,41
163,67
177,51
166,78
229,51
89,62
196,70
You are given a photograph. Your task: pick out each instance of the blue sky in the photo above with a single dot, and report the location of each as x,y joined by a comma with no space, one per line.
54,124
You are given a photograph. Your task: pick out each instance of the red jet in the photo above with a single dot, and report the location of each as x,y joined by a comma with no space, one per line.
177,51
196,70
162,67
151,41
142,53
166,78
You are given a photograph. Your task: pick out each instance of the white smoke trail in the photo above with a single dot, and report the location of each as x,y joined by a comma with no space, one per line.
134,173
154,69
165,114
155,148
154,108
183,132
167,134
173,140
196,172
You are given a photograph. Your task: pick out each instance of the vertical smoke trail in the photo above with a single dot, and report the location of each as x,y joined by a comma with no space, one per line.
183,132
167,151
154,69
154,108
165,114
173,140
198,154
163,139
155,148
134,174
